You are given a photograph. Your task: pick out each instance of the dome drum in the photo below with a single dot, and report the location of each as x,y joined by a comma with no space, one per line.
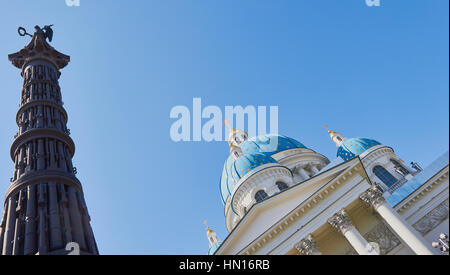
262,179
253,153
261,165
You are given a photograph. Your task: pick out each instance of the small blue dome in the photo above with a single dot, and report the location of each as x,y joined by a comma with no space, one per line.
353,147
213,248
269,144
235,169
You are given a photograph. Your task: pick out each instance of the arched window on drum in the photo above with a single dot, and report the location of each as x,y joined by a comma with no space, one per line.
387,178
282,186
260,195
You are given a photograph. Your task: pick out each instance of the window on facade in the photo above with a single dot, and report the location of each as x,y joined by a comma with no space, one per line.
282,185
260,195
400,168
387,178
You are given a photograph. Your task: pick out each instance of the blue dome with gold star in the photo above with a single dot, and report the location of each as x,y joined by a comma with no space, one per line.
269,144
246,163
235,169
353,147
256,152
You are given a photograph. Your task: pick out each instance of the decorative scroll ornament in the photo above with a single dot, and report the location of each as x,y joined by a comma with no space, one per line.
373,197
308,246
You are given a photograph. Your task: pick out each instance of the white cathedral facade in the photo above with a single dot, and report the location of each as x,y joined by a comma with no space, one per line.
282,198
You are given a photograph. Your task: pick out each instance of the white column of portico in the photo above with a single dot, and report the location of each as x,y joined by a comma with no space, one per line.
303,173
342,223
308,246
314,169
272,191
373,197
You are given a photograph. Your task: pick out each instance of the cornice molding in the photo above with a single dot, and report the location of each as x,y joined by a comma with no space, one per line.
423,190
33,103
41,133
299,153
376,154
43,176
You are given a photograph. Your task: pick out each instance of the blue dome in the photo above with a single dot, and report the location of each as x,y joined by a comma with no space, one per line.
213,248
257,151
235,169
269,144
353,147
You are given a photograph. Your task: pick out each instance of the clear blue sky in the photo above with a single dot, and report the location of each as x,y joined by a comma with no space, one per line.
366,72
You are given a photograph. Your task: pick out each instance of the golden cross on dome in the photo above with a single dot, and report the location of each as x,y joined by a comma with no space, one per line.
205,222
226,122
329,131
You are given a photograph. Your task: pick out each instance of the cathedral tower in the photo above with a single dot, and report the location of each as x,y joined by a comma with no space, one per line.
44,207
383,166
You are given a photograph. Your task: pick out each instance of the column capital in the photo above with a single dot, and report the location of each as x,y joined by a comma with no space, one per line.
341,221
372,197
308,246
38,48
